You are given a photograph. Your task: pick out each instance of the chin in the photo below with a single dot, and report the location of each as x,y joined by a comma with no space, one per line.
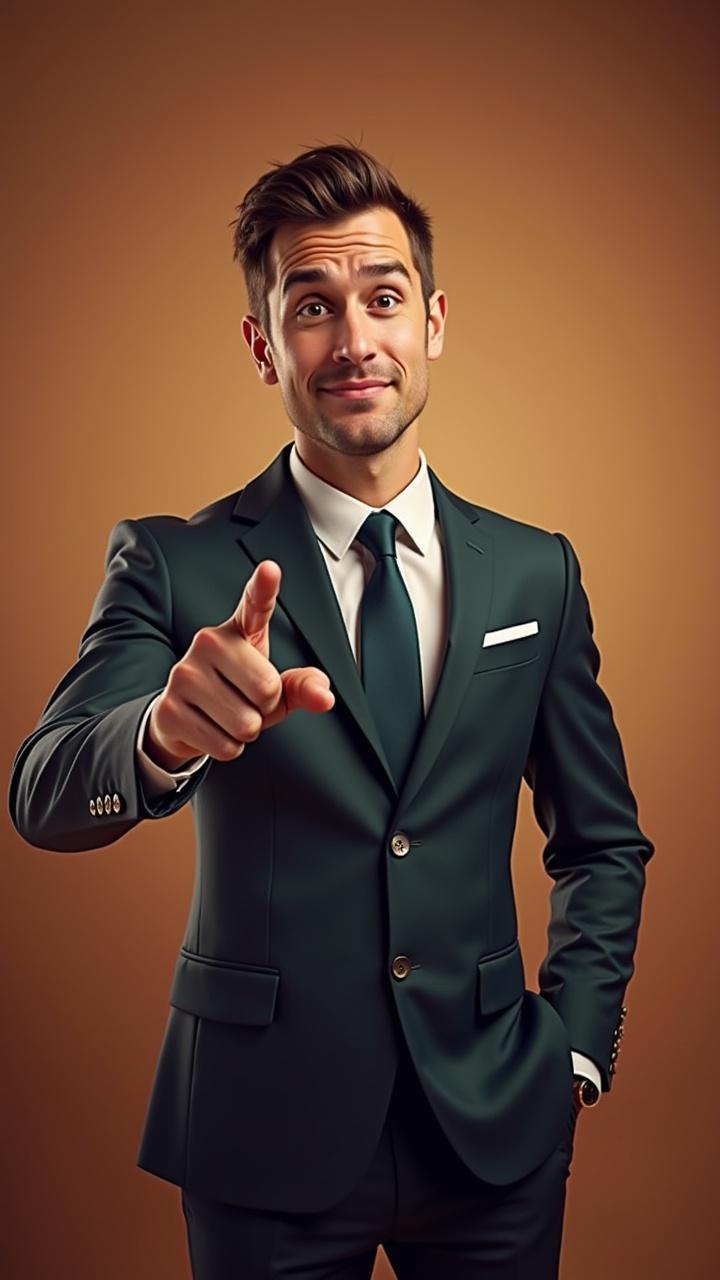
366,437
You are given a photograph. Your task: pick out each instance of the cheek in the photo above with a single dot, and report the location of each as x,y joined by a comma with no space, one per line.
304,362
408,347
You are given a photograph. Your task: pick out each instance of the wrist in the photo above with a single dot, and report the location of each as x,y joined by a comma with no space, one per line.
164,759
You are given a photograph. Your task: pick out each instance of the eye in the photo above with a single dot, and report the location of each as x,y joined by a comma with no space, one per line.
310,304
316,303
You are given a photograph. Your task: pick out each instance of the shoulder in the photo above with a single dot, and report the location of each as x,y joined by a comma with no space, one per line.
543,560
176,534
511,537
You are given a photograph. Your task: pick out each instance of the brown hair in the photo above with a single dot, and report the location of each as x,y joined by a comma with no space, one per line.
322,183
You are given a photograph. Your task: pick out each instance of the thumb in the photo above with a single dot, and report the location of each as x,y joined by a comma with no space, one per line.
303,689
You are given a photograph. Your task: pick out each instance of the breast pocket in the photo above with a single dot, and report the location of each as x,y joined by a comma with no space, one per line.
510,653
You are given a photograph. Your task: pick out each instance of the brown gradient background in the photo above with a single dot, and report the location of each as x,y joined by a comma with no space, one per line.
569,161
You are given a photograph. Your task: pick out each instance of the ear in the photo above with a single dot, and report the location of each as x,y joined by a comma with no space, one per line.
259,349
438,306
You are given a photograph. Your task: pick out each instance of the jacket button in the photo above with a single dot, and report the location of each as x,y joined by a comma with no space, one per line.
399,844
99,806
92,808
401,966
116,803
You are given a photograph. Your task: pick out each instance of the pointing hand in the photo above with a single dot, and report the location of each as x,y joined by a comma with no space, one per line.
225,691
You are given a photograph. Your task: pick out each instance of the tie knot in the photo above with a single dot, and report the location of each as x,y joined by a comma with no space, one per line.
377,533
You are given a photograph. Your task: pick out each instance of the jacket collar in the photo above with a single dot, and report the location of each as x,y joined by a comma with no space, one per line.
277,527
337,517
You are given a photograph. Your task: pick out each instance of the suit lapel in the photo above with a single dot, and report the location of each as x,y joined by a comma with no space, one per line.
469,567
279,528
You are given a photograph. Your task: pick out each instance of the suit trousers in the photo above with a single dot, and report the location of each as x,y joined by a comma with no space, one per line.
433,1217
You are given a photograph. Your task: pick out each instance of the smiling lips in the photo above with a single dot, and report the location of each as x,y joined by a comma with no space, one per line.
356,390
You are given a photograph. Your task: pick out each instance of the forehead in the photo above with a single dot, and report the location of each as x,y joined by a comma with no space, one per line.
342,246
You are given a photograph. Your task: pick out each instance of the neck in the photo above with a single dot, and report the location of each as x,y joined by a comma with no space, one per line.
374,478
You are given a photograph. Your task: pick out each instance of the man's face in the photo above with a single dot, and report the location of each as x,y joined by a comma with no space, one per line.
349,326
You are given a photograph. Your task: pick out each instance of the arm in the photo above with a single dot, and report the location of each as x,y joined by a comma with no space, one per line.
595,851
83,749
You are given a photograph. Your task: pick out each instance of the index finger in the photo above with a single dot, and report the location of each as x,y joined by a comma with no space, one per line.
257,601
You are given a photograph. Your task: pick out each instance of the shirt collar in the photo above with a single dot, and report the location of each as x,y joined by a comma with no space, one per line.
337,516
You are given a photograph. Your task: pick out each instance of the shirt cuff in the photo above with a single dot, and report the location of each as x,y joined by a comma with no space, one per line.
584,1066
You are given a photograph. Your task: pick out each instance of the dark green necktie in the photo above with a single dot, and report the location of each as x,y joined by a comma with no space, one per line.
389,652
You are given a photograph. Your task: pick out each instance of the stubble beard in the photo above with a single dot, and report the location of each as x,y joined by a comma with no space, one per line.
359,432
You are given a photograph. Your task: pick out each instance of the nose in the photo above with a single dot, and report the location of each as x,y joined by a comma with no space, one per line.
354,341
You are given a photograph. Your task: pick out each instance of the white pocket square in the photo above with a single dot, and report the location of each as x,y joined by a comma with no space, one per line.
510,633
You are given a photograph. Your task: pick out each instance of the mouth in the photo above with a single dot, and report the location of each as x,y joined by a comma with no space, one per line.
360,392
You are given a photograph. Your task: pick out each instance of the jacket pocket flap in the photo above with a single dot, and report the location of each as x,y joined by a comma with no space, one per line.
501,979
223,990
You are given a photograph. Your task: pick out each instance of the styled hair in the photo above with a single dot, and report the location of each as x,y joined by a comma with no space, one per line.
323,183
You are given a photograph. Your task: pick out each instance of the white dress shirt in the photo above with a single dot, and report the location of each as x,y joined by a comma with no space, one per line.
336,518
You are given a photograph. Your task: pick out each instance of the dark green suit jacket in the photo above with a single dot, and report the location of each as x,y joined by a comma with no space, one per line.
314,874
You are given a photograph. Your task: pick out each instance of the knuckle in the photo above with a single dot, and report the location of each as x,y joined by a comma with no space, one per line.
249,724
207,640
181,679
268,690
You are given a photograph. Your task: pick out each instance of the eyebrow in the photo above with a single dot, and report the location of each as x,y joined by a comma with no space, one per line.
317,275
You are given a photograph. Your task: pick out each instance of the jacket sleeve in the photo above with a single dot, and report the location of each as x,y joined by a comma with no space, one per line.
75,783
595,852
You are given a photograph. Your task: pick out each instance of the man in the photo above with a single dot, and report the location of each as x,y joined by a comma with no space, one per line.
349,670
